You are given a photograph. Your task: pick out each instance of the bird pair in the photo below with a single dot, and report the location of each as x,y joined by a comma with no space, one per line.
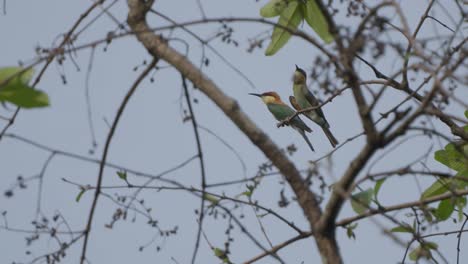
302,99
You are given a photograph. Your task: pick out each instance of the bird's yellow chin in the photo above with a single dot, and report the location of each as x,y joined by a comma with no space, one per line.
268,99
298,78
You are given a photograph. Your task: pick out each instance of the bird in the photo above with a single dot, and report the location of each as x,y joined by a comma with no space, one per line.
282,111
303,98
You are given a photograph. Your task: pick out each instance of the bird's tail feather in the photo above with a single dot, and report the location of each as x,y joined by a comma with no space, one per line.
330,136
306,139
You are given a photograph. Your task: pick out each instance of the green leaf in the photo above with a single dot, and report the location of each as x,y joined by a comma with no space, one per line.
377,186
262,215
23,96
460,203
452,157
462,173
350,230
218,252
404,228
420,252
17,91
464,149
221,254
247,193
427,212
445,209
7,72
360,202
211,198
430,245
317,21
250,190
290,18
465,128
122,175
439,187
414,254
273,8
78,197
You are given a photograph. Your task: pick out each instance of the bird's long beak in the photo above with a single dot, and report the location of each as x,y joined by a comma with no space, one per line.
255,94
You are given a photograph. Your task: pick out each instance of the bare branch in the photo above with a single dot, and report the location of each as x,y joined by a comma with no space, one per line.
105,152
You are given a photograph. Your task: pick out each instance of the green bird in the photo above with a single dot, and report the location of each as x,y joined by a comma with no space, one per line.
303,98
281,111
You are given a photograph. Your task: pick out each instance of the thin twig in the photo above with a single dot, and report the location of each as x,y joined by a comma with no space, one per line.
41,181
105,152
276,248
202,165
88,99
386,209
49,59
459,237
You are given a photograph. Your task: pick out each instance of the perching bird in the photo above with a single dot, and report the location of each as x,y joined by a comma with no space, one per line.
303,98
281,111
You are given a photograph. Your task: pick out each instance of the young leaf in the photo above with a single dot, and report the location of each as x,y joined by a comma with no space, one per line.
122,175
210,198
427,212
317,21
273,8
247,193
377,187
452,158
350,230
430,245
438,187
7,72
250,190
221,254
419,252
460,203
404,228
218,252
445,209
78,197
290,18
15,89
23,96
360,202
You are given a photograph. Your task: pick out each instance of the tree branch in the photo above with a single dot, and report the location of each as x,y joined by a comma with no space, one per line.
159,48
106,151
202,166
386,209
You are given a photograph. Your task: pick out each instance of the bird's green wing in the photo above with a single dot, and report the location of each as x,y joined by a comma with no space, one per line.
281,112
313,101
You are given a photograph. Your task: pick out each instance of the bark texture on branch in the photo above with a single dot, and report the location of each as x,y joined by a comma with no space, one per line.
160,49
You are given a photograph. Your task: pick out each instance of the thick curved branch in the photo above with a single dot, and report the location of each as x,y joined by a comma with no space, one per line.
159,48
